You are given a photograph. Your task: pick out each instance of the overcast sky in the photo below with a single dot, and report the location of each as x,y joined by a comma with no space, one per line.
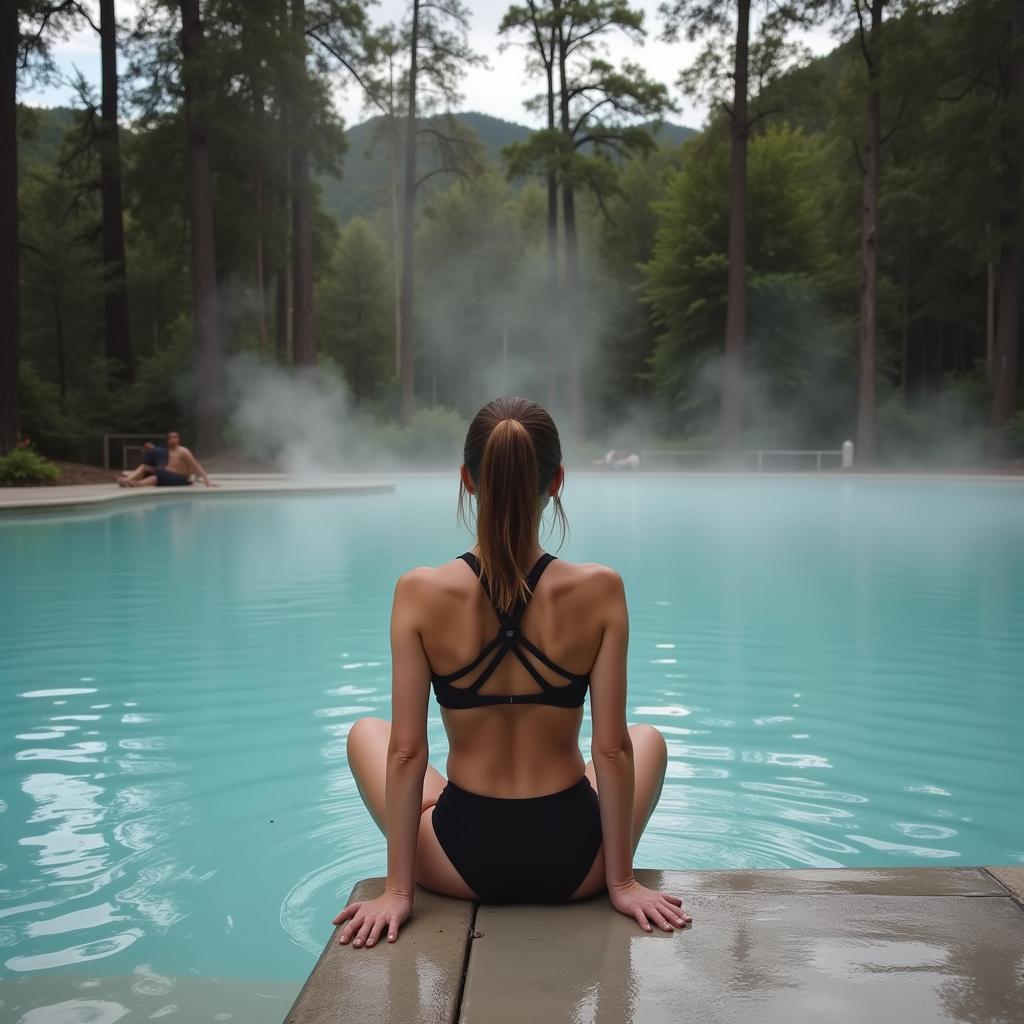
499,89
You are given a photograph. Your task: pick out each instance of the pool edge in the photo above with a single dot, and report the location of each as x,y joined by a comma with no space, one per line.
503,975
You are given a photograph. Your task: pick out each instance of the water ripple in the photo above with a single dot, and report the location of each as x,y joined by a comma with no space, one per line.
836,674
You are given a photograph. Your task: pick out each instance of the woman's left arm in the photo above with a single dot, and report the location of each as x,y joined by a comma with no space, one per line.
406,766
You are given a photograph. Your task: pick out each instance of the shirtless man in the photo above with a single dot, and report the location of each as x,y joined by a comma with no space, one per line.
181,466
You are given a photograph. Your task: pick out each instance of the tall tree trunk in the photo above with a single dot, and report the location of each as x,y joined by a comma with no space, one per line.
8,227
1007,339
116,317
203,257
869,243
990,307
730,418
905,314
282,309
396,269
408,394
62,372
554,318
572,304
259,109
303,342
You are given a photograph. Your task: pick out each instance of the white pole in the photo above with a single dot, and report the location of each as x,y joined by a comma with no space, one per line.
847,454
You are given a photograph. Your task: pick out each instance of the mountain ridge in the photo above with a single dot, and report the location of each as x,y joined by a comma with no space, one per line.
362,188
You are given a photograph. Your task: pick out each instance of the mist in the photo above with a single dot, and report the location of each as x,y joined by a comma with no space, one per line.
301,421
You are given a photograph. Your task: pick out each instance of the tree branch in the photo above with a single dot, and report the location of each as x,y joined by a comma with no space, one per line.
763,114
435,172
861,35
375,99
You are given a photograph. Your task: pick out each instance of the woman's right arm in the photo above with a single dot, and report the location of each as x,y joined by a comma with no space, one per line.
612,753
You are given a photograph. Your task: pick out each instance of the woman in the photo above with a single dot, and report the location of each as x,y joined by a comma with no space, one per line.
511,639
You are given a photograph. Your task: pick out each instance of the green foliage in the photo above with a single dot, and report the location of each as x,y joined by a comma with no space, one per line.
478,251
48,421
685,285
355,311
608,109
62,280
24,467
160,398
1015,433
434,436
652,226
619,319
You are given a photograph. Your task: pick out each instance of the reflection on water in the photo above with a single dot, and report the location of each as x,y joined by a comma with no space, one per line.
837,677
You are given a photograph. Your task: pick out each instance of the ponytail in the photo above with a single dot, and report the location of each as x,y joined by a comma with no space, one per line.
508,512
512,454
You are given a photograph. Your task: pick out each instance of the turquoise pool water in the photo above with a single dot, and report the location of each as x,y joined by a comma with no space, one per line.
836,664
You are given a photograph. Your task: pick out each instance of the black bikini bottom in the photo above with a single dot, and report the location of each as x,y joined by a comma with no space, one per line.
533,850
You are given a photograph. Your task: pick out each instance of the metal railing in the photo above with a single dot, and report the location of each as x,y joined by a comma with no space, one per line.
760,455
126,448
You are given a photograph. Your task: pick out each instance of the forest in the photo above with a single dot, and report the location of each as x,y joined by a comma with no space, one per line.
835,253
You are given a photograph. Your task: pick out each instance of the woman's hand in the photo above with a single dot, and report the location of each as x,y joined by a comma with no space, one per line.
647,906
367,920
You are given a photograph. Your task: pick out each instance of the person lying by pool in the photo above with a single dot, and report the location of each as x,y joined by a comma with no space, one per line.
619,459
511,639
152,455
180,467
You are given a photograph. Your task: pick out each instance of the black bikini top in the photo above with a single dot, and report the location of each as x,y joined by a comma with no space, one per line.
510,638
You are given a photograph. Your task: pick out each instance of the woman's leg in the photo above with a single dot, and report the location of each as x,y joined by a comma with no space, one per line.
650,758
367,757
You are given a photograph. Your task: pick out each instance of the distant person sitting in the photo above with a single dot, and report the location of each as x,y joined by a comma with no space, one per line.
180,467
153,455
619,459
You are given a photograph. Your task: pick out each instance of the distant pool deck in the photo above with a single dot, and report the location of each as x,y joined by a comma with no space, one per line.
70,496
879,946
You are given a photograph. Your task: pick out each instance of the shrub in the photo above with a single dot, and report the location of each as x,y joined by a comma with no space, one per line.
1015,433
25,468
433,436
57,430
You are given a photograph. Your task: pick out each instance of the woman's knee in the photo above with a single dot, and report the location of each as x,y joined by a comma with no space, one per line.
366,730
650,739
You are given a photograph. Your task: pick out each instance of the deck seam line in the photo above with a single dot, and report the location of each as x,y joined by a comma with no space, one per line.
465,963
1002,885
875,895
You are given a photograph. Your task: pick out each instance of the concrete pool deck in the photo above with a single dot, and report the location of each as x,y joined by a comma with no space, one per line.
844,945
69,496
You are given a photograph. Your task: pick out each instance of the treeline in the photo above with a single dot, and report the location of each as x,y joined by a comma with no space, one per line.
837,253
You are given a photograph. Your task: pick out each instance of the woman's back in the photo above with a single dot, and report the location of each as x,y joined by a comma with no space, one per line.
515,749
511,640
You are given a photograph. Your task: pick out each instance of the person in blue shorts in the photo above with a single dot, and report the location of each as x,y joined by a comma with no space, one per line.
176,470
153,456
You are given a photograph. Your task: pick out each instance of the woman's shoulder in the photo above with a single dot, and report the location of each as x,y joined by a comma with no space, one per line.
432,578
590,573
592,576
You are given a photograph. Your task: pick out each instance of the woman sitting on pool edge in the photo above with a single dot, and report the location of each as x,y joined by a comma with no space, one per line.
511,639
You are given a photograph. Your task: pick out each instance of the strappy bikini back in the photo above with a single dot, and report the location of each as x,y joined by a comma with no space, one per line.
510,639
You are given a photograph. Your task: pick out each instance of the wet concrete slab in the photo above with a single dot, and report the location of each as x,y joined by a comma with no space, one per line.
900,945
1012,878
820,881
756,957
82,496
417,978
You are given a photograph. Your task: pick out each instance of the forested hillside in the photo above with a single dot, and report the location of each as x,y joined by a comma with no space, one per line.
836,254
